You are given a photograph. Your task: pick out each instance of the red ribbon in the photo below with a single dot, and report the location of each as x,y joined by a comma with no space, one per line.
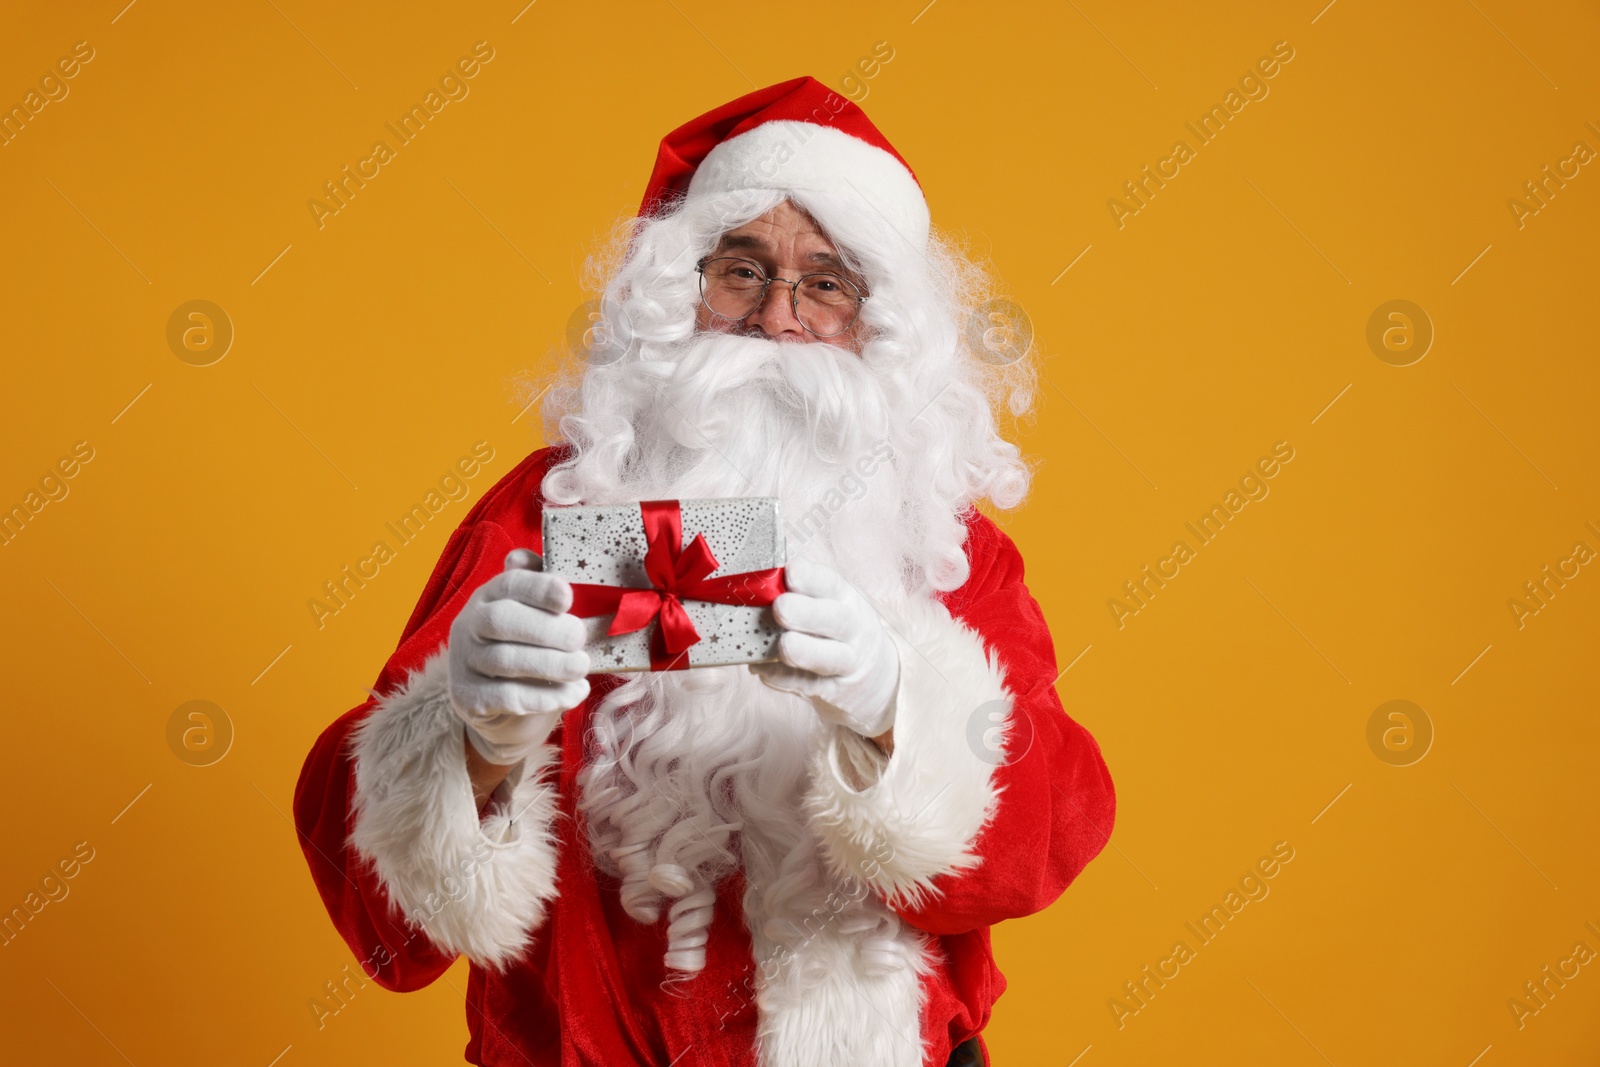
676,574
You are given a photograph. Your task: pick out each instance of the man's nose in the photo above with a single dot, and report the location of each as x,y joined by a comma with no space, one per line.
775,315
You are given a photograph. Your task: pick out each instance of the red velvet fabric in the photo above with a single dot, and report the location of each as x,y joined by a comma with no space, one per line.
588,991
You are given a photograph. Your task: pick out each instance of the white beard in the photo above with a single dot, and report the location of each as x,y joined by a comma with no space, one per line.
681,762
745,416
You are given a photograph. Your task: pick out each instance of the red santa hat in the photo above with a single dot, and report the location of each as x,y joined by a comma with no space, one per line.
796,136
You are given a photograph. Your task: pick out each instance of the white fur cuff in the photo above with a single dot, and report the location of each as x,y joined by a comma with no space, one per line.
899,821
477,889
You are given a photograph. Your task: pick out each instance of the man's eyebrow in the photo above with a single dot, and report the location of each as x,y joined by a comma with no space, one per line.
754,242
744,240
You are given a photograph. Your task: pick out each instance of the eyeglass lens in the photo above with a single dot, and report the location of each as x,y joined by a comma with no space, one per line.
825,304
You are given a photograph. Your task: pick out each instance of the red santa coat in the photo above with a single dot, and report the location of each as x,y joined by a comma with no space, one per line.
560,973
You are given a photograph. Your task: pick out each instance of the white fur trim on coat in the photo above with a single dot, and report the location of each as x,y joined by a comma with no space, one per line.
899,821
477,889
839,977
851,993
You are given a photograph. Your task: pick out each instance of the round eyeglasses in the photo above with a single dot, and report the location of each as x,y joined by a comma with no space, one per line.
825,304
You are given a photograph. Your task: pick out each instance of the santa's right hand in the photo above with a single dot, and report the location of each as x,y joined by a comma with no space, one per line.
516,660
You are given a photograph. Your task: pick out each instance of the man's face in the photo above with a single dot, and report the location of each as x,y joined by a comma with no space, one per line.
786,244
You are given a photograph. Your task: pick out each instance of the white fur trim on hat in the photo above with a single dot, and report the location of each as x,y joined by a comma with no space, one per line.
478,889
900,821
806,157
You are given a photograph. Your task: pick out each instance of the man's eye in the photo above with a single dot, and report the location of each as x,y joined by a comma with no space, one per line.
745,274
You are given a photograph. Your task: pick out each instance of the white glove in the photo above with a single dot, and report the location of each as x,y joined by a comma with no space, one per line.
516,659
834,651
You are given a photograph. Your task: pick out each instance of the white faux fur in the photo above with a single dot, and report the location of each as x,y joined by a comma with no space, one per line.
847,990
477,889
838,975
805,157
900,821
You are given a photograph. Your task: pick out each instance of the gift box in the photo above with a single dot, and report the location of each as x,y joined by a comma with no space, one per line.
671,584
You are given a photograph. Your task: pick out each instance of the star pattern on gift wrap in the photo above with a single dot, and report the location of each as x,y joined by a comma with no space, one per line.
617,544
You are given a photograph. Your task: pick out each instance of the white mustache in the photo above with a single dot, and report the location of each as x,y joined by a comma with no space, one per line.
718,377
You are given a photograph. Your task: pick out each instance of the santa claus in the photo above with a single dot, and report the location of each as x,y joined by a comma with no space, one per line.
789,863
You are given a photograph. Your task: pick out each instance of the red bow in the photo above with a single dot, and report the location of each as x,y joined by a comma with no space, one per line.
676,574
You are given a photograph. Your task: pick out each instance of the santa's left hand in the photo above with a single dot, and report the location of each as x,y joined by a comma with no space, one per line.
834,650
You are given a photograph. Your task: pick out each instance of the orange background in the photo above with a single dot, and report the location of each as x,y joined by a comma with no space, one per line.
1226,315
